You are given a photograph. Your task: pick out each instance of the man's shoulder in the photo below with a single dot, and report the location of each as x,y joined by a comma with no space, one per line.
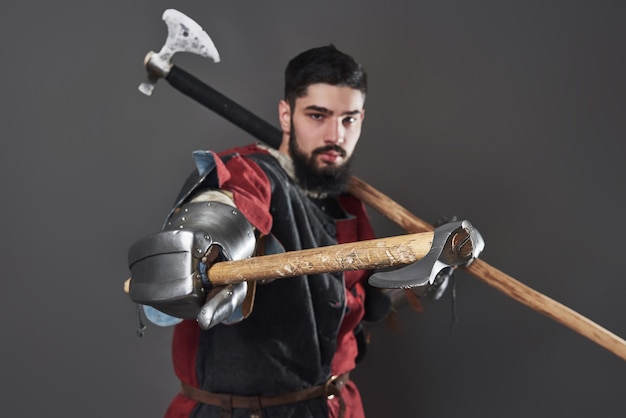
243,151
257,154
257,157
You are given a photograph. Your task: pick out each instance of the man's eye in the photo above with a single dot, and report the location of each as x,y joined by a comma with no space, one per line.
349,120
316,116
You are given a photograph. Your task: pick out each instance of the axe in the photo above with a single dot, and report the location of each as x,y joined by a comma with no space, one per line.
422,254
185,35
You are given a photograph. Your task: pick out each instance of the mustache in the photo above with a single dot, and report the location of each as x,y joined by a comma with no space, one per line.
336,148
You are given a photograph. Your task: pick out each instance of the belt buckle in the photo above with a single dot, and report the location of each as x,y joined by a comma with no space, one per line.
329,387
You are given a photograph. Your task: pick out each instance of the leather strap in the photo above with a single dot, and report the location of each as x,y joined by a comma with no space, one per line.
226,402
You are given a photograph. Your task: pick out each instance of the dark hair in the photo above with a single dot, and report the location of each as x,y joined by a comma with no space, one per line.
324,64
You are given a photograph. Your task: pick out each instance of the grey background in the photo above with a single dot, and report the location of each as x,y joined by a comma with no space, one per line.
509,114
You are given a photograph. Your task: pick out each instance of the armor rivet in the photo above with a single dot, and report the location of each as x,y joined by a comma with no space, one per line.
183,219
180,227
208,204
199,250
234,212
186,210
206,237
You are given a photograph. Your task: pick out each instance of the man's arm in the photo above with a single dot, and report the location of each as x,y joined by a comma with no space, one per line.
169,268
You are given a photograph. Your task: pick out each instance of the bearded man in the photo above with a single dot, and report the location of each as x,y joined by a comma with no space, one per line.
284,348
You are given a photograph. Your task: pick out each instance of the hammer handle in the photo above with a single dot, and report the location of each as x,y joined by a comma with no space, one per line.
223,106
362,255
548,307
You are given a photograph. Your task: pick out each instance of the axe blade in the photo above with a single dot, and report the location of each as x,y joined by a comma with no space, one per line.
183,35
454,244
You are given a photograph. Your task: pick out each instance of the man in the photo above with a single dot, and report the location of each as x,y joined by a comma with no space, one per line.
283,348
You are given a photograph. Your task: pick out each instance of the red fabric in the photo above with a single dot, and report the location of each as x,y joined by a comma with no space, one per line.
352,400
184,346
250,186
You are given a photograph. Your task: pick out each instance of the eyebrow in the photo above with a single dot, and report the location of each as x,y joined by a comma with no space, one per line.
327,111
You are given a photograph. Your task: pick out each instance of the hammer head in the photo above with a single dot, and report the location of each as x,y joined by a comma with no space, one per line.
183,35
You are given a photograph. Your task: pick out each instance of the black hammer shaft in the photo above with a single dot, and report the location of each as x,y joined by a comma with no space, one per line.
223,106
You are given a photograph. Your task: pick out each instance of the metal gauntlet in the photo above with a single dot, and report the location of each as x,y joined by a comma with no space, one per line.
168,269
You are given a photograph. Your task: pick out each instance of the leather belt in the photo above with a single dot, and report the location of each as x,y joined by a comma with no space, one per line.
226,402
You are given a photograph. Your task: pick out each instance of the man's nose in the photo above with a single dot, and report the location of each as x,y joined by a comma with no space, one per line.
335,132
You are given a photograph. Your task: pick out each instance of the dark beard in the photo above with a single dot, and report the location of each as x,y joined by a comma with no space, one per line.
331,180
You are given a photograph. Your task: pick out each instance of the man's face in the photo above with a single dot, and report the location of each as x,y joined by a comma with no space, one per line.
324,127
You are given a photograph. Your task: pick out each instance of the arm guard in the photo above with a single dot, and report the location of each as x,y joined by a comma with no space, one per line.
168,269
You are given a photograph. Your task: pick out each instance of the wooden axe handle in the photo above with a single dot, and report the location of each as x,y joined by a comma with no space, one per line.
494,277
361,255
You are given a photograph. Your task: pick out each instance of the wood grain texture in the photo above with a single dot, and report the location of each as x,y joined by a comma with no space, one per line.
363,255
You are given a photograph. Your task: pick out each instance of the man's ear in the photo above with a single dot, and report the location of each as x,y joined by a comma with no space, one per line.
284,116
